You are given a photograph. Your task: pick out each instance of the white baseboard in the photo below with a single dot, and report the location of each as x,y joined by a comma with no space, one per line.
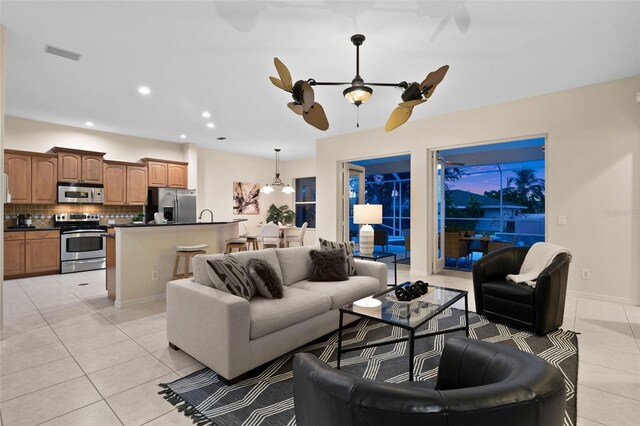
602,297
120,304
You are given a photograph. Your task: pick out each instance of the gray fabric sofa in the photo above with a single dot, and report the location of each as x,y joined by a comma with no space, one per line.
231,335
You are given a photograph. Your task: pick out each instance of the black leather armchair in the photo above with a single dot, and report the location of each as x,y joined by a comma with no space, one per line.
479,383
539,309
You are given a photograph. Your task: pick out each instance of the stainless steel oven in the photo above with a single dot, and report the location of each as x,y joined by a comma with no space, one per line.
80,193
82,247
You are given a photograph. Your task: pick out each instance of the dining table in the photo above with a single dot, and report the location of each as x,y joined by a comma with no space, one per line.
484,240
284,231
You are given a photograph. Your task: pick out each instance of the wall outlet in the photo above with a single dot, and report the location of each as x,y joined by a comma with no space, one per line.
586,274
562,220
154,275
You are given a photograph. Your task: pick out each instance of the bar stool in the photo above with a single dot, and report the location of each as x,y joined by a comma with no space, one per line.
187,253
240,244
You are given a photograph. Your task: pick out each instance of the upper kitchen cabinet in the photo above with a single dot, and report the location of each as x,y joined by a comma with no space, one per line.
32,177
166,173
44,171
17,166
125,183
75,165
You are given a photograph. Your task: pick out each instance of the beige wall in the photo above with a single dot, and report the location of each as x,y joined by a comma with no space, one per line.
29,135
593,167
2,62
299,169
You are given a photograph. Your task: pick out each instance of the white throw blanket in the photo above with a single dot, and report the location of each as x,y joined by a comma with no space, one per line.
539,256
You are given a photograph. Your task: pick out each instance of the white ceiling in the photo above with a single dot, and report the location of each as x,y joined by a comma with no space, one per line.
216,56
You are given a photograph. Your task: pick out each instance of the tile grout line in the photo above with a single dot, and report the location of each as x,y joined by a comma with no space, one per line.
632,332
611,393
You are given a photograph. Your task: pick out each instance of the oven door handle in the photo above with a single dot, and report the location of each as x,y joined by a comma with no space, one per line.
82,234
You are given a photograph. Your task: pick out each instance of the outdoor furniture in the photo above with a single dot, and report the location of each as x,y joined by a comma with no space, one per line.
295,237
407,241
539,309
478,383
455,247
477,244
497,245
381,238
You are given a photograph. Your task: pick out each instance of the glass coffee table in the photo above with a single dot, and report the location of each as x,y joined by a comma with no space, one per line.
409,316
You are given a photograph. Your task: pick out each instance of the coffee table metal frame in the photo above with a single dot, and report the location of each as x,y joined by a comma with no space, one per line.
411,337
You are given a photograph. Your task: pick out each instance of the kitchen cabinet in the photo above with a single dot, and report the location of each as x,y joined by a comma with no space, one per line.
166,173
177,175
125,184
111,267
17,166
44,171
29,253
75,165
137,185
32,177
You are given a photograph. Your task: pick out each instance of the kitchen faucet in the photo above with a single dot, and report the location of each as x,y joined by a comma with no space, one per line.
205,210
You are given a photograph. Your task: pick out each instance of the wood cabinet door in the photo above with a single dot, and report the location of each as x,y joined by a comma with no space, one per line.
44,174
42,255
115,184
137,185
18,169
91,169
177,175
157,174
69,167
14,263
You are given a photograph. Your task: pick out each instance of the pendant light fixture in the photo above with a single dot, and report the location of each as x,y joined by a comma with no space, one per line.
268,189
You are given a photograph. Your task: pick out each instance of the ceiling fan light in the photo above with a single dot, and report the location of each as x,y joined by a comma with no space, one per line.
288,190
266,189
358,95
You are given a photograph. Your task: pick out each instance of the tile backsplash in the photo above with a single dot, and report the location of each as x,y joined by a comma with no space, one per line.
42,214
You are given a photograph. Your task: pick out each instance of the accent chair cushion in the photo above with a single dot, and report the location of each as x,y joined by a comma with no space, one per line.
348,247
265,278
229,275
508,290
342,292
328,265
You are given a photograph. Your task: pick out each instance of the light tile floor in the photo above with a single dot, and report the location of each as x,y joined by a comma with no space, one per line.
68,357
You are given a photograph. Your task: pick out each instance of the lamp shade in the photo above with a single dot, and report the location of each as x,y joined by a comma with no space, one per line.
367,214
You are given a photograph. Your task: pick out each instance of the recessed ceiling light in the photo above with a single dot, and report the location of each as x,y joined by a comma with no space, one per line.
144,90
183,136
211,125
206,114
89,123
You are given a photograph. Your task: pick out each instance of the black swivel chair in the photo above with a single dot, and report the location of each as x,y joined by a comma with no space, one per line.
539,309
479,383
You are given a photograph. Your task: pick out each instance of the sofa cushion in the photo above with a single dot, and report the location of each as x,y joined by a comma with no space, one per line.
295,263
267,281
269,315
228,274
348,248
342,292
521,293
200,267
328,265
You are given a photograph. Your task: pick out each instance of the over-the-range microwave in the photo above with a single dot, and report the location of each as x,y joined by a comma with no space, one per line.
76,193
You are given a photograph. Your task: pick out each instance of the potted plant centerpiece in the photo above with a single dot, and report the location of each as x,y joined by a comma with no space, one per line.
281,214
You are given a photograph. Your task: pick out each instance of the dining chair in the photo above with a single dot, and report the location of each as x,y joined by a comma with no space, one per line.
252,239
270,234
296,236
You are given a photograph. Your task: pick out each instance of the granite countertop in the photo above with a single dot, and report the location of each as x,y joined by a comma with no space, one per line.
150,225
30,229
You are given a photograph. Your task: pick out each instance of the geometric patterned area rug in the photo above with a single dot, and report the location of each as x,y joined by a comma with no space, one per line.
267,397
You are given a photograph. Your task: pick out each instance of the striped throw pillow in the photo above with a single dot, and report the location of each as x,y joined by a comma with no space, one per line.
348,248
229,275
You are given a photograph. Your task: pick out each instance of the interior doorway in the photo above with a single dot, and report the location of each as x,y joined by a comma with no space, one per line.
385,181
487,197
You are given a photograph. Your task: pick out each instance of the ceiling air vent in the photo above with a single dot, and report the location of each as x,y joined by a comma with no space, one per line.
61,52
221,138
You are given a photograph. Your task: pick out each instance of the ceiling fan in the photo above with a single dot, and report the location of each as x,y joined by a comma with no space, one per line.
358,93
449,163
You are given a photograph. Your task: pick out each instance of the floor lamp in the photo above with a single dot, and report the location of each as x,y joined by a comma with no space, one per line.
366,215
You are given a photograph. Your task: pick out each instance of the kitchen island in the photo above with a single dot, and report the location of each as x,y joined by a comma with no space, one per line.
145,255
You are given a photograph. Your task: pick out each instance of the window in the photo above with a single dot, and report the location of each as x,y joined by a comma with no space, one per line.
305,202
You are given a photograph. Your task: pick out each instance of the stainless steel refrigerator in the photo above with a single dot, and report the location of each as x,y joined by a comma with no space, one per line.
178,205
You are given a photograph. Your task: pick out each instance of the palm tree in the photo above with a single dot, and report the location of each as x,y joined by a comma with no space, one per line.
527,189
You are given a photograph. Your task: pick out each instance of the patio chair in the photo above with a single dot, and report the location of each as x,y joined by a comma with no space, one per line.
497,245
454,247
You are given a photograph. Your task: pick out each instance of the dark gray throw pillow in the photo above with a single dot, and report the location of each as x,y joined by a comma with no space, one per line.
348,247
328,265
233,276
265,278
